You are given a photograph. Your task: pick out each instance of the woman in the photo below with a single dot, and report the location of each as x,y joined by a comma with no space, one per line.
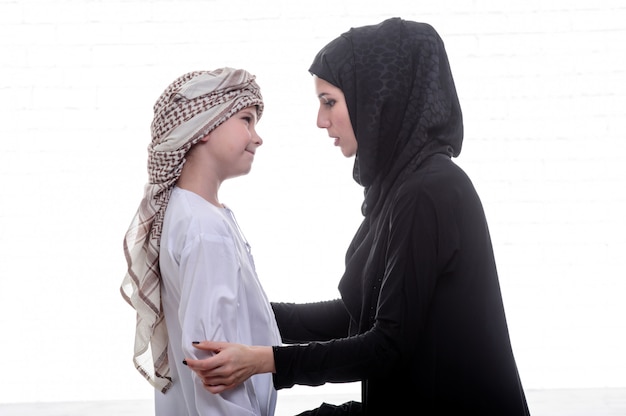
190,271
420,320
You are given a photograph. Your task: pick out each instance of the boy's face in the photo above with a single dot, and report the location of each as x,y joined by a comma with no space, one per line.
232,144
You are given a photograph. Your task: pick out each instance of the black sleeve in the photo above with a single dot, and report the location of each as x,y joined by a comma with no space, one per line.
305,322
341,360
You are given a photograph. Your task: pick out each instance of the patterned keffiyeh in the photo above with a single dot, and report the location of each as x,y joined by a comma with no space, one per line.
190,108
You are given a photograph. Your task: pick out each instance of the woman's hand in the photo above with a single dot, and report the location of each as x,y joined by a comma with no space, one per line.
231,365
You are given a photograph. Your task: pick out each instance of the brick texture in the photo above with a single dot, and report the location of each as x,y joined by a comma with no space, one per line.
543,91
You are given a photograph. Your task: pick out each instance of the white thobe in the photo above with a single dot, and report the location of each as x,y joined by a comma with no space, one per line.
210,291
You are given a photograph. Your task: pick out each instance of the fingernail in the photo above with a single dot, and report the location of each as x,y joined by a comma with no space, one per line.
185,362
195,342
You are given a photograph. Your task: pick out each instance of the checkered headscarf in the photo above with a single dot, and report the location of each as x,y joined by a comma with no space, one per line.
190,108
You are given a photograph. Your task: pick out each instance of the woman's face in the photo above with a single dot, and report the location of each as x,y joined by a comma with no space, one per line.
333,116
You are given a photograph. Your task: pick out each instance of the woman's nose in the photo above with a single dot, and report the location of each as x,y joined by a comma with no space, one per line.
322,121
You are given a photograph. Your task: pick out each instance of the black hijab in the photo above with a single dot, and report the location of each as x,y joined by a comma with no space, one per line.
401,98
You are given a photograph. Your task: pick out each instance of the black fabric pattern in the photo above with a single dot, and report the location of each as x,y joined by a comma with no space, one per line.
401,98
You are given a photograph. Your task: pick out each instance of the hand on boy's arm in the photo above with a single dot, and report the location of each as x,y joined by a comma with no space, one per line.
231,365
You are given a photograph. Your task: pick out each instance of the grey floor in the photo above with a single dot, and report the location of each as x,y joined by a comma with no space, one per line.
583,402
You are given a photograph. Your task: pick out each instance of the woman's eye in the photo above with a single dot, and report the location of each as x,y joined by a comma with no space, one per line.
328,102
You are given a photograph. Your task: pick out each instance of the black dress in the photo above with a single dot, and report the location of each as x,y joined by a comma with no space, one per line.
421,319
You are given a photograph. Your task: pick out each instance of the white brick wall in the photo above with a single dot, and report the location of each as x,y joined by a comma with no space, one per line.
543,90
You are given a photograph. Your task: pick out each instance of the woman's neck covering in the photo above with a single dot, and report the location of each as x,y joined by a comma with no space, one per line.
189,109
401,99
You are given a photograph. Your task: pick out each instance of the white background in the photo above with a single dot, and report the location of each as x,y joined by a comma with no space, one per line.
543,90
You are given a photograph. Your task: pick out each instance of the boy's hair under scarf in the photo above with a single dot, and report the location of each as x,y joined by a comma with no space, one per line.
189,109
